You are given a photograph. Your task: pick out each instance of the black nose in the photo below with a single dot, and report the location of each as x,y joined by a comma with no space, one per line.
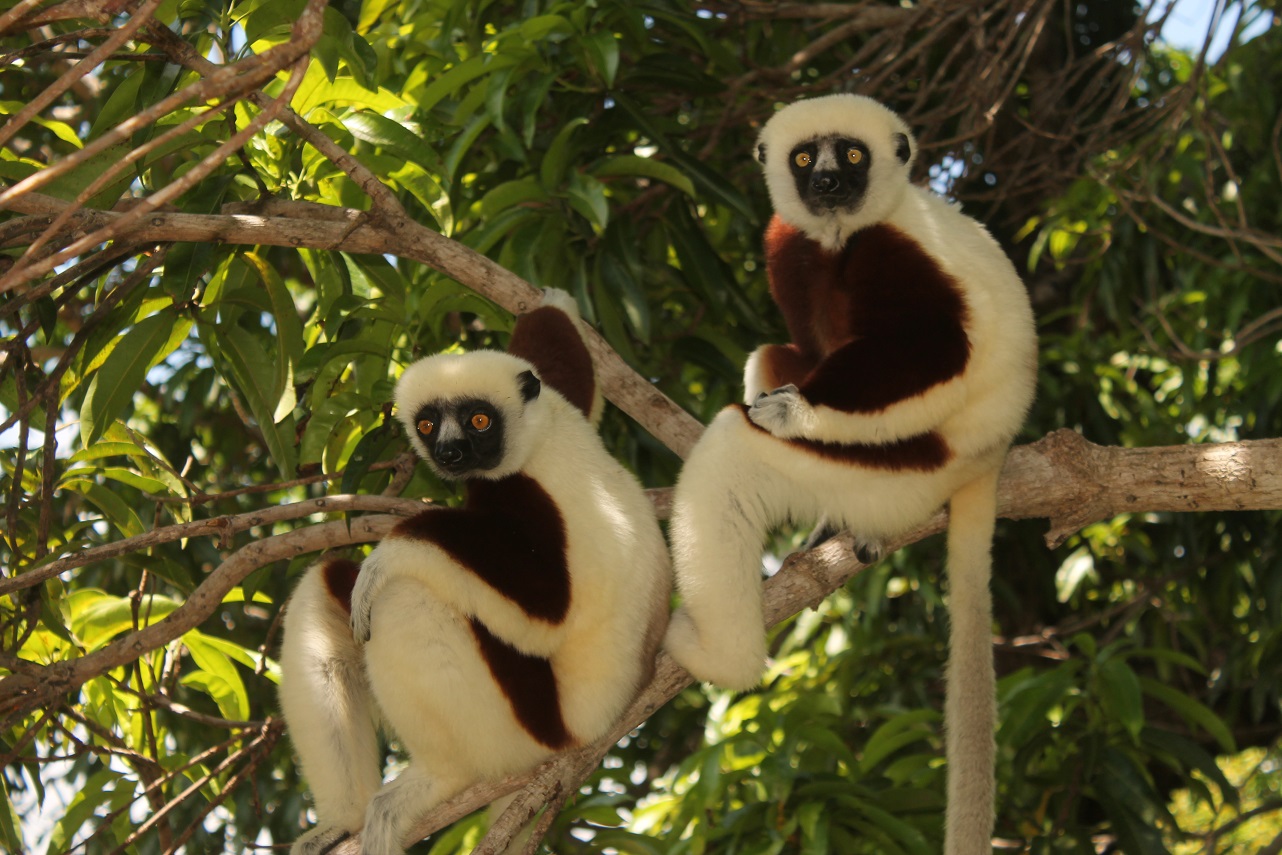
825,182
449,453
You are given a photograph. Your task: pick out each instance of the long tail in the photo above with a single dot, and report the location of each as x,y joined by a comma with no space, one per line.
970,709
326,698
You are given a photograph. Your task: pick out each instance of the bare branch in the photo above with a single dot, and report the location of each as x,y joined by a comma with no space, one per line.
354,231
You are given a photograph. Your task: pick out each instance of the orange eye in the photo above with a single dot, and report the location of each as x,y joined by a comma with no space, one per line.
426,426
802,159
481,421
854,155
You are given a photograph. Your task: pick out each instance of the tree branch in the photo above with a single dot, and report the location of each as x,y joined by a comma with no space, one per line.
349,230
1062,477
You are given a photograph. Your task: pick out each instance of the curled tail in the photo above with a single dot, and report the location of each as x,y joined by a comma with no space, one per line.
970,711
326,699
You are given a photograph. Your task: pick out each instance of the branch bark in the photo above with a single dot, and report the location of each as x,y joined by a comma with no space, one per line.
1062,477
353,231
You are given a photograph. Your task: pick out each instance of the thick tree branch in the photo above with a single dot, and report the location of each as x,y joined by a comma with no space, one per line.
353,231
221,526
1062,477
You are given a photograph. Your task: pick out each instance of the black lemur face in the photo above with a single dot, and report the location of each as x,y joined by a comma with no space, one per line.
461,436
467,435
831,173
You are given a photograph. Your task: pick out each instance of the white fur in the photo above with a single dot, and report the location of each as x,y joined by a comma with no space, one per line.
829,115
425,673
740,481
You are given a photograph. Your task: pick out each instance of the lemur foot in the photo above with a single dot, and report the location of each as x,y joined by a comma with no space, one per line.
319,840
868,552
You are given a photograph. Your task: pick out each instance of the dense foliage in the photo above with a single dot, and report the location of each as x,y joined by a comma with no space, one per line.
604,148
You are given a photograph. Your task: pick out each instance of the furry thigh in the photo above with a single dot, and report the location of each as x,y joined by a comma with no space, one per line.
436,692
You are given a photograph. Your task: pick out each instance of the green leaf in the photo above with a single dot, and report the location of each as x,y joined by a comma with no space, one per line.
90,796
324,420
587,198
123,517
635,166
814,828
904,834
558,155
510,194
115,473
289,335
394,138
122,374
317,91
602,51
1025,708
98,617
367,451
541,27
898,732
10,822
705,177
1191,711
427,191
463,73
1077,568
254,372
1188,755
217,676
1121,696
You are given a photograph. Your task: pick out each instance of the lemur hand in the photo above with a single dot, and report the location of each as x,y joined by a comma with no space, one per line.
783,412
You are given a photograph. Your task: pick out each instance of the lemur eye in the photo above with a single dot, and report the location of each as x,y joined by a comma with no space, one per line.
854,155
802,159
480,421
426,426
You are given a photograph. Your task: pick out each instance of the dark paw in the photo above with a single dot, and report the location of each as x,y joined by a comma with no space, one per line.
867,553
823,533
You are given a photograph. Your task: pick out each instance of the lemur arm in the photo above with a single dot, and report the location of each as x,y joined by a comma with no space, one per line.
876,388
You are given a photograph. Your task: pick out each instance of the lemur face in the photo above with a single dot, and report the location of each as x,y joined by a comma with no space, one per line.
831,173
461,437
470,415
835,164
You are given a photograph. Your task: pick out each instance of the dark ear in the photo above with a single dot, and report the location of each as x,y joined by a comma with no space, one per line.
903,150
530,386
761,152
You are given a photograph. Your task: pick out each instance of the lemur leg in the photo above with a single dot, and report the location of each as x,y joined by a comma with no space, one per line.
719,520
394,809
970,707
326,701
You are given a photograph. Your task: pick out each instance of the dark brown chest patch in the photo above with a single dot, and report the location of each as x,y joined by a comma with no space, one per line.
529,683
549,339
510,534
922,453
340,577
886,320
796,273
